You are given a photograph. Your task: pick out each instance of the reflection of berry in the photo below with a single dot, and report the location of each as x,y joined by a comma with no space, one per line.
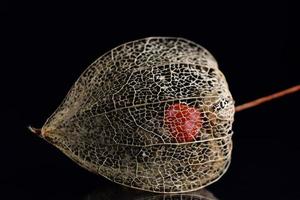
183,121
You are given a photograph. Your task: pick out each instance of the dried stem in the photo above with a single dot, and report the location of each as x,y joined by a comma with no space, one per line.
267,98
35,130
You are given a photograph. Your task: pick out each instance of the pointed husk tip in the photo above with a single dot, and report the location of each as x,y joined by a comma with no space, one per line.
36,131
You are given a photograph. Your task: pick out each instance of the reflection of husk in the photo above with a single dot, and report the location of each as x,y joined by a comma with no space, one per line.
118,192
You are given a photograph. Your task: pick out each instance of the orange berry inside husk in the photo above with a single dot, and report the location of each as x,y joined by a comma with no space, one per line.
183,122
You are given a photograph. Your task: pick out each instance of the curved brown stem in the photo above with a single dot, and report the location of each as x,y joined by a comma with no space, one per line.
267,98
35,130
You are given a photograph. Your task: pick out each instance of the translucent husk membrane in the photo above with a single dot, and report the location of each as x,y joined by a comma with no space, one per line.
112,122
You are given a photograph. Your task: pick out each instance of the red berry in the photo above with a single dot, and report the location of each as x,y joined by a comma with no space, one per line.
183,122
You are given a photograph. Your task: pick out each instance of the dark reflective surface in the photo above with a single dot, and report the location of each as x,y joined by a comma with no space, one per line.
128,194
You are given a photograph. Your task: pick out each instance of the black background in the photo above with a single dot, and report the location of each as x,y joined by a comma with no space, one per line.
45,47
